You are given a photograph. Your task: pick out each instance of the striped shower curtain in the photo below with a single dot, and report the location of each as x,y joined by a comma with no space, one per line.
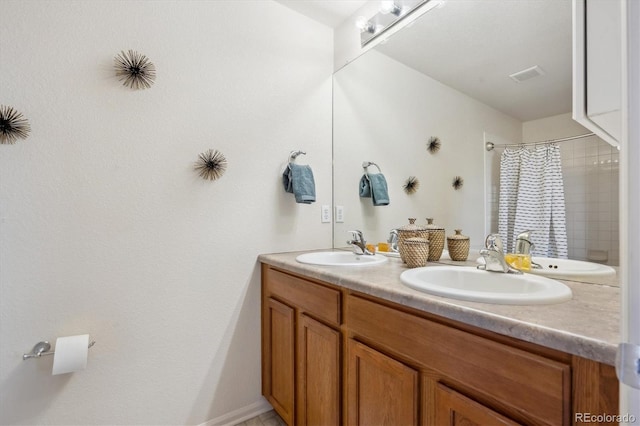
532,198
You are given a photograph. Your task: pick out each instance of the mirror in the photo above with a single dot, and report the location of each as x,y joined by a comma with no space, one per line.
449,75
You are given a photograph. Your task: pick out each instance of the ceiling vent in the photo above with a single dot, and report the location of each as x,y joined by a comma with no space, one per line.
527,74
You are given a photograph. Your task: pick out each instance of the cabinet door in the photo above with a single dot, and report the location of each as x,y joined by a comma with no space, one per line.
604,64
318,392
278,337
454,409
380,390
597,65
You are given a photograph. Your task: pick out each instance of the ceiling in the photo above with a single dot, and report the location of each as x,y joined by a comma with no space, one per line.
473,46
328,12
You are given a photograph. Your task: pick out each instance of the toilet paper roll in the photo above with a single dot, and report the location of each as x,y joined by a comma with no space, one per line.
70,354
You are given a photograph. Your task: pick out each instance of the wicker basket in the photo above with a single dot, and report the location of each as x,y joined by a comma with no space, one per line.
416,252
458,246
436,240
409,231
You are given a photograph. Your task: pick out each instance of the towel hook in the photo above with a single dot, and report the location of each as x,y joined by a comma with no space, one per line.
294,154
366,164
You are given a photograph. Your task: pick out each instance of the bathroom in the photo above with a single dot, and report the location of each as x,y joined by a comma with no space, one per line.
113,233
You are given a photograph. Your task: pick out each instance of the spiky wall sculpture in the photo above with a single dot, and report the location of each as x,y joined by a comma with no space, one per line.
211,165
434,144
135,70
457,182
411,185
13,125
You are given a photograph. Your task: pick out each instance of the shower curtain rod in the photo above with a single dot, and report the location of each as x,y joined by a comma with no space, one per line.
490,145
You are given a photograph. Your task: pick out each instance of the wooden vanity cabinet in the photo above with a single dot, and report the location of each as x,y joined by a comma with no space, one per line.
380,390
301,349
453,409
278,357
318,393
333,356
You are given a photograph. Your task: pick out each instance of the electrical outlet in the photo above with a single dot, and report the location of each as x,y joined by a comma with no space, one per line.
326,213
339,214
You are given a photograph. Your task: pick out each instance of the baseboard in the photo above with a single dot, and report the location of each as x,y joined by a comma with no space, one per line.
240,415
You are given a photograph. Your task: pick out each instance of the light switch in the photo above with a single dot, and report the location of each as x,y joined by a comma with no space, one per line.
326,213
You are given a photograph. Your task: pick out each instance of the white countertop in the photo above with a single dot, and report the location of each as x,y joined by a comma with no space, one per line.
587,326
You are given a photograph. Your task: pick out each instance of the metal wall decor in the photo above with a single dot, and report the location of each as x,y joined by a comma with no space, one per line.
457,182
411,185
434,144
134,69
13,125
211,165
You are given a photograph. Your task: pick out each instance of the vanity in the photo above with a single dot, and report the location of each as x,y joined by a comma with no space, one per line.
353,345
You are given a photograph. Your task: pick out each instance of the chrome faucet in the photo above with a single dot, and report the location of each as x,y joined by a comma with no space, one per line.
358,244
393,240
523,243
525,246
494,256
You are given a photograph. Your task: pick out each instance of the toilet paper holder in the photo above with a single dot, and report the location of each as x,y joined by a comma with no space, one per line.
42,349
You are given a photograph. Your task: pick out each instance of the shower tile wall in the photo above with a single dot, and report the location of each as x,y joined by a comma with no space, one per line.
590,172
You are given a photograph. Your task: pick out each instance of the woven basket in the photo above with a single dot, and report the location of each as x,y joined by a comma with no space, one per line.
436,240
458,246
410,231
416,252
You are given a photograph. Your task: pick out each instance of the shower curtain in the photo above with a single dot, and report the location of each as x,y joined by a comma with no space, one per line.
532,198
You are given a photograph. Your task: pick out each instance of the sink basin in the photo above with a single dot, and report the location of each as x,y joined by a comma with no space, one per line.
472,284
340,258
568,269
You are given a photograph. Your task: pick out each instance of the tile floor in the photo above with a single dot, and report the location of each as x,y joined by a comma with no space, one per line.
270,418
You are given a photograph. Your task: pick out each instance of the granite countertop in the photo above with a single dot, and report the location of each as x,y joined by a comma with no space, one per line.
587,326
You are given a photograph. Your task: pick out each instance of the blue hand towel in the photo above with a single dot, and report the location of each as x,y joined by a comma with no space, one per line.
374,185
298,180
365,187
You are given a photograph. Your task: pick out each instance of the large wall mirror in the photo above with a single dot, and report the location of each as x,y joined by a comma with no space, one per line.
468,73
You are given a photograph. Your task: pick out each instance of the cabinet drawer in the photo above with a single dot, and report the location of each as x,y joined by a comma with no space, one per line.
534,386
316,300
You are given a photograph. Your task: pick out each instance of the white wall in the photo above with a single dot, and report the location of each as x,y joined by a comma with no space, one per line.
385,112
554,127
106,229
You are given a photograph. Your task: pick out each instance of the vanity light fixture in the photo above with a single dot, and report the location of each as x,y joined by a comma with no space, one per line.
390,13
364,25
390,6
